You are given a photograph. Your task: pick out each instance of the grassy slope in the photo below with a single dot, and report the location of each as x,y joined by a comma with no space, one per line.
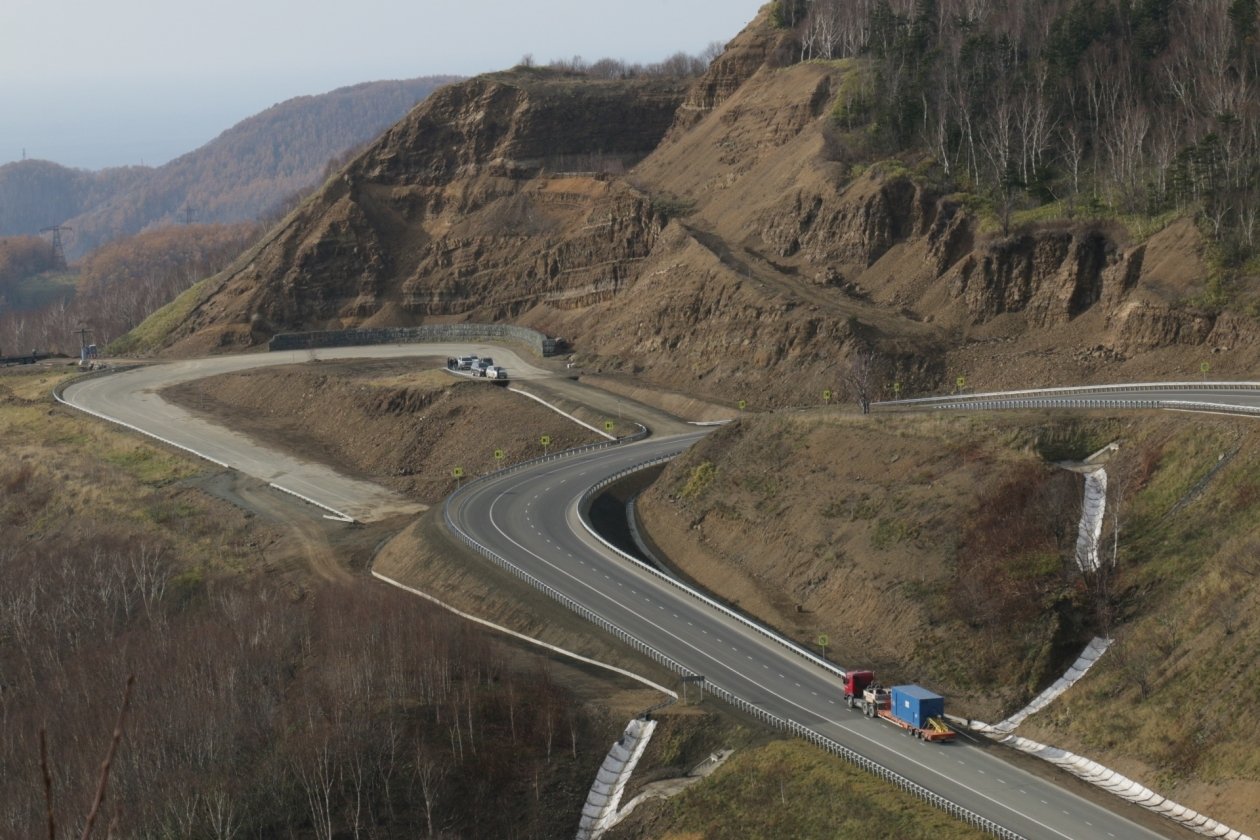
102,472
867,528
786,789
1175,702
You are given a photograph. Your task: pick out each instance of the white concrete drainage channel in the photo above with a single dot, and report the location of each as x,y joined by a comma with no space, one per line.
1090,530
600,812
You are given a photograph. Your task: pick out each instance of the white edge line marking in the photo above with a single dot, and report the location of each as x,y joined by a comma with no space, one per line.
336,514
562,413
726,666
524,638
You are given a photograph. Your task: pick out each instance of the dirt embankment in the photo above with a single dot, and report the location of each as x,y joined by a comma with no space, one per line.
405,424
941,550
823,523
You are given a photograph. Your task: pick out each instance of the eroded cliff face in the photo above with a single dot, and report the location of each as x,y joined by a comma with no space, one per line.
709,238
494,196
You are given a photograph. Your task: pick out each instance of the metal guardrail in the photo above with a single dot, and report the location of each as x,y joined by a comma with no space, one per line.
1084,403
796,729
584,503
1064,390
869,765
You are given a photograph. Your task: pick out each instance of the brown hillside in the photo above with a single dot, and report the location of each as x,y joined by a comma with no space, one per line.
745,250
486,200
940,550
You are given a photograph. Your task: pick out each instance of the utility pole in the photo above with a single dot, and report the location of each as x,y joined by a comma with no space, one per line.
83,333
59,251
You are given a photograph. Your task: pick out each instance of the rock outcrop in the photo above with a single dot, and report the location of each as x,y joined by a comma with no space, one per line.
711,237
494,196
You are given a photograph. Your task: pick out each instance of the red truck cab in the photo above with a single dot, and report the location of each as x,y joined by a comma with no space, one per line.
855,682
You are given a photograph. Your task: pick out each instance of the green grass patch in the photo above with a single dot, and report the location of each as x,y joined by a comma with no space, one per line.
889,532
699,480
791,789
152,332
149,466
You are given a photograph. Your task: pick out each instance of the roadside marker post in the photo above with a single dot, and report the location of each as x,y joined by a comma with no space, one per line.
545,440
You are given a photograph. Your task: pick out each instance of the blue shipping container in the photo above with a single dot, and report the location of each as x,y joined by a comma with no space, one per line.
915,704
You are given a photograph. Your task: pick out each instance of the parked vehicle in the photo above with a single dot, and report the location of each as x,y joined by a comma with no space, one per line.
912,707
497,373
466,362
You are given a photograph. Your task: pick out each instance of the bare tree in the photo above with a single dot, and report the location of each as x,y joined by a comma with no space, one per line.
860,377
429,775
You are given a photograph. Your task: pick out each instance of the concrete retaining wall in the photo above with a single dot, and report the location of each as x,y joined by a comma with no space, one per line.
539,343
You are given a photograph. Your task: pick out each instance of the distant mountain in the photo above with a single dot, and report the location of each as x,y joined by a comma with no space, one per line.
245,172
37,193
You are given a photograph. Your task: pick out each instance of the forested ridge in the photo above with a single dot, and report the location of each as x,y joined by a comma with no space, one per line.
1085,106
244,173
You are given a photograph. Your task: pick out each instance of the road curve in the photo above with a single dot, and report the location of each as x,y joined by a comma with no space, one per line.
131,398
529,517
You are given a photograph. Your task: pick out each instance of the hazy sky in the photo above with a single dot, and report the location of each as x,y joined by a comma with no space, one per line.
90,83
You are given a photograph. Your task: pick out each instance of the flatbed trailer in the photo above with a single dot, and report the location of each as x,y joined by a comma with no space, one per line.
910,707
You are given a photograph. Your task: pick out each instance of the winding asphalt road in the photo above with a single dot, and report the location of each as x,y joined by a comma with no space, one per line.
530,517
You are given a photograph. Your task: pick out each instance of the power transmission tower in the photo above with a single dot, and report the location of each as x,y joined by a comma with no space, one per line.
59,251
190,214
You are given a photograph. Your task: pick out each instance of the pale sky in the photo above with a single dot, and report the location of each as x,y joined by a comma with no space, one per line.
94,83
